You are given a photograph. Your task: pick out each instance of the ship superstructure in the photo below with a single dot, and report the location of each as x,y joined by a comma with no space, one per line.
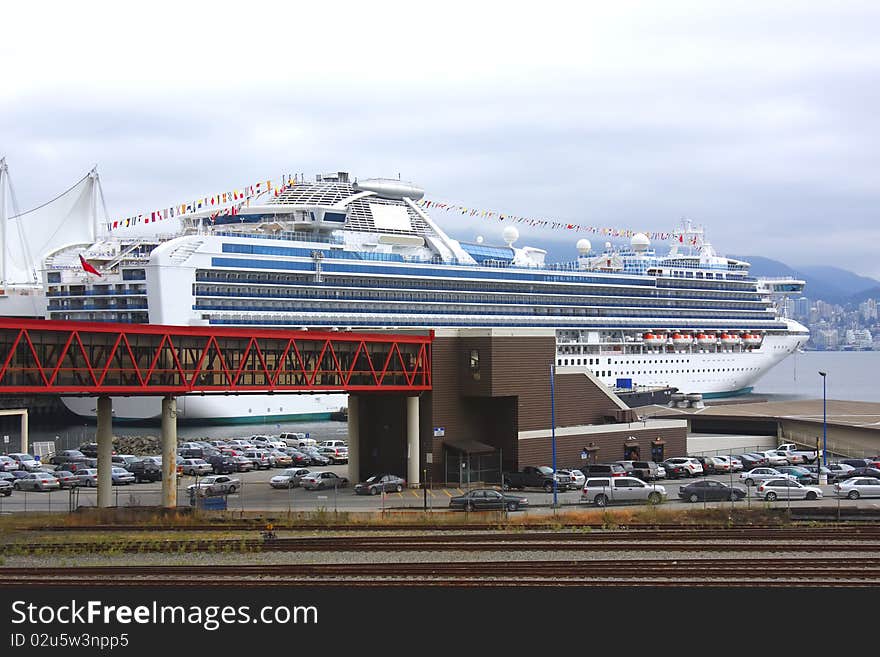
345,254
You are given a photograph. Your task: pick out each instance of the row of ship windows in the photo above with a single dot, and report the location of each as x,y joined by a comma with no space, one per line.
382,295
322,306
577,361
265,278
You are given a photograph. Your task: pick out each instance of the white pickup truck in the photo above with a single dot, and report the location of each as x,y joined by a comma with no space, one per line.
796,455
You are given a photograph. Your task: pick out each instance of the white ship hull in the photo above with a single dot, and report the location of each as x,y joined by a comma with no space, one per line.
711,374
219,409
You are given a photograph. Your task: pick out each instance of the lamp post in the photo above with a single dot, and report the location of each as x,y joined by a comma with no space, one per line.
553,429
824,421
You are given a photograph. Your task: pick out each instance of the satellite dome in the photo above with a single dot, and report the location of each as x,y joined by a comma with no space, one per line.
479,239
639,242
607,246
584,246
510,235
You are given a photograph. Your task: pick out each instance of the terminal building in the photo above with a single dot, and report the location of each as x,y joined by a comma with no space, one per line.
491,410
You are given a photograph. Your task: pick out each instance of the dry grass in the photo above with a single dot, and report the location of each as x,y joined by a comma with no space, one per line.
607,518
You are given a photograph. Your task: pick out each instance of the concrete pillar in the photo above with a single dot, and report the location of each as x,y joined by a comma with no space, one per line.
412,441
354,439
24,432
169,452
104,438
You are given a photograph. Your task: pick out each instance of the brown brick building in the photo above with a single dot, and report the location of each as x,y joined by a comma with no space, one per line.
490,409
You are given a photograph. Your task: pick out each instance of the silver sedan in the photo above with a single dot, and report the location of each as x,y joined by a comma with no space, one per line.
858,487
787,489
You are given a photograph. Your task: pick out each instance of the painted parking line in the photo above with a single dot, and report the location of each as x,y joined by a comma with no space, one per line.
460,491
415,493
448,494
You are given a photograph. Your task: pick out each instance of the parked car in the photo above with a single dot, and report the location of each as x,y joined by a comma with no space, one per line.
315,457
124,460
289,478
280,459
89,449
296,439
5,488
776,457
214,485
66,479
87,477
709,490
259,457
800,473
718,464
67,456
750,461
320,480
787,489
602,491
644,470
26,461
41,481
857,463
758,475
578,478
74,467
707,464
243,463
121,476
298,458
485,499
733,463
608,469
333,443
692,466
8,464
146,469
221,464
674,470
858,472
838,468
380,483
535,476
335,454
196,467
858,487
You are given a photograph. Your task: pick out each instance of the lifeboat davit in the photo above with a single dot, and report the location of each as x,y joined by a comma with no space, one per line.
681,339
705,340
728,339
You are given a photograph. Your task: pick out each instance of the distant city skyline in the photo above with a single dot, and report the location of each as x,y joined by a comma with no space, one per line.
755,120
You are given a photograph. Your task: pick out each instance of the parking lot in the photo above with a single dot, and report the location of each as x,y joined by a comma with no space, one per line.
255,494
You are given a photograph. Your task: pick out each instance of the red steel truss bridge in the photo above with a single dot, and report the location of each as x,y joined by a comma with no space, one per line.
86,358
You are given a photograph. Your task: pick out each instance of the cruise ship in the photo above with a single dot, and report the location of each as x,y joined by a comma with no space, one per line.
345,254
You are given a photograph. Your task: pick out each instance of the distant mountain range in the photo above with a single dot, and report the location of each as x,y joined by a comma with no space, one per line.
830,284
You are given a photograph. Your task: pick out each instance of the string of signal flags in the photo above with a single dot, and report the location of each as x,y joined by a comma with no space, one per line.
606,231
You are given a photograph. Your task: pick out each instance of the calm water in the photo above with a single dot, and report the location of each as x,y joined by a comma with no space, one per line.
851,376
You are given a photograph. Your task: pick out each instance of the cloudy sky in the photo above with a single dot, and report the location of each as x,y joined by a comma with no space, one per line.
758,120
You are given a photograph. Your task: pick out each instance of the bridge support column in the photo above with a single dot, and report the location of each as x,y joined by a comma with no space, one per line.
24,432
104,438
169,452
412,441
354,440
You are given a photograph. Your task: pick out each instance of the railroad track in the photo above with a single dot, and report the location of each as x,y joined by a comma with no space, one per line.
772,572
801,540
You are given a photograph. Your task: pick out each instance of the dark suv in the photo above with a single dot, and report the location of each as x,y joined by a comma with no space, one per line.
222,464
146,470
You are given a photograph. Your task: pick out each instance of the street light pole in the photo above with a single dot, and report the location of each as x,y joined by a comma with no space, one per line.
824,422
553,429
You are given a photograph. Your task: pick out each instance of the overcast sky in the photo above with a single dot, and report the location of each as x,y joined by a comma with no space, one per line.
758,120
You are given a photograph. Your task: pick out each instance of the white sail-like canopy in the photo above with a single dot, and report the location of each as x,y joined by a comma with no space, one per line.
30,236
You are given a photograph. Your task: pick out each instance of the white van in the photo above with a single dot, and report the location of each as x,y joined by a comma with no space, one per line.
297,439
